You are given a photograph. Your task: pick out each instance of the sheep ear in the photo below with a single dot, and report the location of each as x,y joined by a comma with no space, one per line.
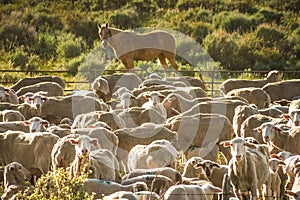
44,99
250,145
27,123
99,25
45,123
282,163
258,129
285,116
225,143
216,165
21,97
106,25
277,128
73,141
11,168
94,142
273,156
162,96
290,193
198,165
147,96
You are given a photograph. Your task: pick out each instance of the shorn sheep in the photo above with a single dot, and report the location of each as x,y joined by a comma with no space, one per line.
248,168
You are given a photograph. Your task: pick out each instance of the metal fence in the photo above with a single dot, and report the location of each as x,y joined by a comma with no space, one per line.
212,78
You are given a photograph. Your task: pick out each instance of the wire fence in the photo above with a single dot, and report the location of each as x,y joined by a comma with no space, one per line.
212,78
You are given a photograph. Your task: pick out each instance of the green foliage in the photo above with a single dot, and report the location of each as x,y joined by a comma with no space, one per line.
125,19
267,15
232,21
19,59
70,46
14,35
270,35
59,186
166,3
45,46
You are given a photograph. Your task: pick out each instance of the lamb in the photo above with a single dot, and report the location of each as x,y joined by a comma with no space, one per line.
203,133
253,95
33,151
15,175
8,95
143,135
50,88
279,138
11,115
192,171
192,192
104,188
33,80
158,183
248,168
230,84
102,162
159,153
213,171
169,172
136,116
283,90
274,179
154,102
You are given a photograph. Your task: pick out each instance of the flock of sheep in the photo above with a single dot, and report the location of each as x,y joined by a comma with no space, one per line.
136,134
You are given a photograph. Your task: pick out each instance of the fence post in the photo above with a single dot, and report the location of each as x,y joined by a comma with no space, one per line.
212,83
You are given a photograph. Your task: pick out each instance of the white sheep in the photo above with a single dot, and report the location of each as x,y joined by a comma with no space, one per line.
274,179
102,162
275,136
248,168
159,153
154,101
37,124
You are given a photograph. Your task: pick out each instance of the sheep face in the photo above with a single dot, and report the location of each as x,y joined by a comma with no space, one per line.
15,173
83,145
37,101
127,99
36,124
295,117
154,98
268,131
238,147
274,165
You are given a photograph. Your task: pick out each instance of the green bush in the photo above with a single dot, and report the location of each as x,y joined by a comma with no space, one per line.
126,19
19,59
232,22
270,35
73,65
45,47
49,186
69,46
14,35
166,3
197,30
267,15
47,22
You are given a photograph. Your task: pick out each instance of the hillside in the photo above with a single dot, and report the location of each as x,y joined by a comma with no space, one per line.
237,35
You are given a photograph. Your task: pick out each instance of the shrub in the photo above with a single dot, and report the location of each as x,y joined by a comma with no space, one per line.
49,186
232,21
73,65
114,4
46,46
47,22
69,46
125,19
270,35
267,15
14,35
19,59
166,3
197,30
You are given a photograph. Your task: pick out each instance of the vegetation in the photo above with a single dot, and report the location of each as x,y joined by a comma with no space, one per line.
236,35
